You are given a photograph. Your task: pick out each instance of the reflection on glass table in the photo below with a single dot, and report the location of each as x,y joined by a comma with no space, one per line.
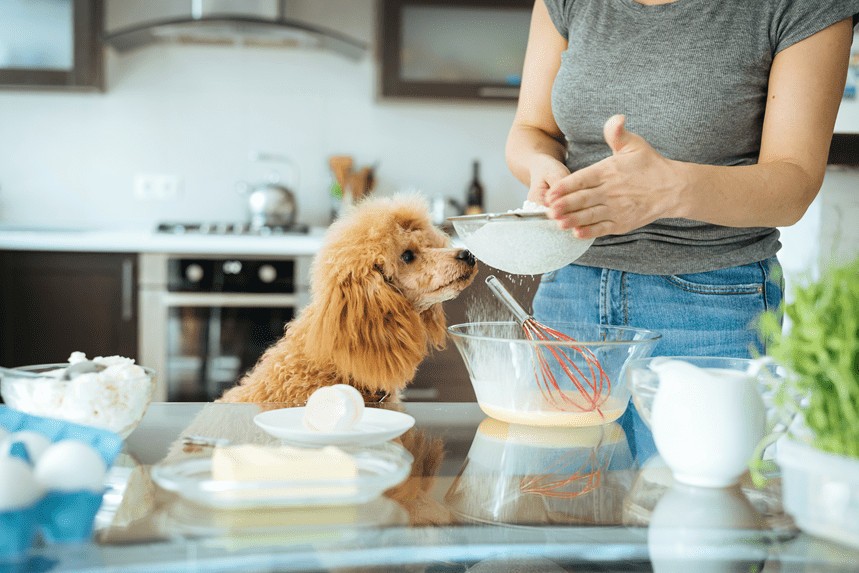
523,475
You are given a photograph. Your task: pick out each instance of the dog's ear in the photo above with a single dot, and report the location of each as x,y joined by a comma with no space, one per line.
369,330
435,324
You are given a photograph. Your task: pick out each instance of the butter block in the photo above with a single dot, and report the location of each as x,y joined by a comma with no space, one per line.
263,465
250,462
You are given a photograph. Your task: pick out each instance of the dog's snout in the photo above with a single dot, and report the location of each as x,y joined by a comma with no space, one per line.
465,256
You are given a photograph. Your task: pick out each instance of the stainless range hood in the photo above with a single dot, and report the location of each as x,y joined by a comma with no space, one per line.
205,25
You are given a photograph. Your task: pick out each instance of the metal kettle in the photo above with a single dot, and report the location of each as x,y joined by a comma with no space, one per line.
271,203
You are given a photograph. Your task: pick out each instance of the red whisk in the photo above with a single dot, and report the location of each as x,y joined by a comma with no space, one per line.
585,479
578,364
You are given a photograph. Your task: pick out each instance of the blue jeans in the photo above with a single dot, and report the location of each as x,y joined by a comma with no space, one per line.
700,314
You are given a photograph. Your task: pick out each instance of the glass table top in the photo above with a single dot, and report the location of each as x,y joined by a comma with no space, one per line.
482,495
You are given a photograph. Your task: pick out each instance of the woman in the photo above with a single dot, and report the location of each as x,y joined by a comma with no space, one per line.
678,134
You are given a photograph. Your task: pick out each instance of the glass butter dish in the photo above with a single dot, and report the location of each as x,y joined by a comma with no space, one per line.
378,468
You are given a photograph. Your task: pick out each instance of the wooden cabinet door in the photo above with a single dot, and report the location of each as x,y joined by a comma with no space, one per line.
464,49
54,45
442,376
53,303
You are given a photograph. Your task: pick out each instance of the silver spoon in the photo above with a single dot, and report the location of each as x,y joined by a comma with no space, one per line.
82,367
204,441
69,372
15,373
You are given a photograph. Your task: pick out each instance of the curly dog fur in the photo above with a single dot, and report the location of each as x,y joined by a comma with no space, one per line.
375,308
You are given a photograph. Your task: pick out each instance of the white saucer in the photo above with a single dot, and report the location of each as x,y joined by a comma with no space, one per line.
376,426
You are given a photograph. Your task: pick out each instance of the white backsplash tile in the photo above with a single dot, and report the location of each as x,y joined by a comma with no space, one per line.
196,112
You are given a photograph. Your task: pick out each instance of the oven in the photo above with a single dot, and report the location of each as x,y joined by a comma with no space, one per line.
206,319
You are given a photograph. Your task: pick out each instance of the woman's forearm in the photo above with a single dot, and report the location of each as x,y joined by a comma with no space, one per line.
525,146
773,194
636,185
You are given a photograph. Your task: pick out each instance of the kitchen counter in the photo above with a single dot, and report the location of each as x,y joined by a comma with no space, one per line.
480,493
15,238
142,241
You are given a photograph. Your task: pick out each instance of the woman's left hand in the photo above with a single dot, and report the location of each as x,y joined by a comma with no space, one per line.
633,187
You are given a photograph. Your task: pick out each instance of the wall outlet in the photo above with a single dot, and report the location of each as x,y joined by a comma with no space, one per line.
156,187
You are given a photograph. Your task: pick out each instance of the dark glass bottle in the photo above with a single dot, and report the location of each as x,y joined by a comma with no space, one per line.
474,194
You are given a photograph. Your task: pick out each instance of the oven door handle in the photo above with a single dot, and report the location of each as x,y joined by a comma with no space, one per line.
244,300
127,290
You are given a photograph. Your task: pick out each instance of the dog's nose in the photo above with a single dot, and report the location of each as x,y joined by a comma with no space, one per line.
465,256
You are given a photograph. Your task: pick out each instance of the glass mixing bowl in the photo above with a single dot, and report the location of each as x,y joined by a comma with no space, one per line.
113,399
521,381
530,475
523,243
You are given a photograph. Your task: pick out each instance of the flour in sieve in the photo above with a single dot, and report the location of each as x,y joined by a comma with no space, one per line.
530,207
527,246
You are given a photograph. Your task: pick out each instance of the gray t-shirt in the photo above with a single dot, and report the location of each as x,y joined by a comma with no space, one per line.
691,77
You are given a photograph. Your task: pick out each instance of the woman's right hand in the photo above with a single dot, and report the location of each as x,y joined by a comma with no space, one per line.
544,172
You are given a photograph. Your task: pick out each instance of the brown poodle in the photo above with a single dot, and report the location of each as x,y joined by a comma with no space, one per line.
375,309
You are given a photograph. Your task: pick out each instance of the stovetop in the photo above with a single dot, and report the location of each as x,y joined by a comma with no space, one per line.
230,228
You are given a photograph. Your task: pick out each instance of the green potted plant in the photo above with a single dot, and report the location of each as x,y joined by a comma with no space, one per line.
819,455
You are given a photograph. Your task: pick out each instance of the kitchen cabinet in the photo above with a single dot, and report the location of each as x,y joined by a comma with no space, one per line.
469,49
53,303
51,44
442,376
844,149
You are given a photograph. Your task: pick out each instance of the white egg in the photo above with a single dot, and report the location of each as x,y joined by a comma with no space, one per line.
333,408
18,489
70,465
34,442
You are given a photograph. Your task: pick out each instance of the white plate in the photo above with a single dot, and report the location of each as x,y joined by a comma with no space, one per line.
379,468
376,426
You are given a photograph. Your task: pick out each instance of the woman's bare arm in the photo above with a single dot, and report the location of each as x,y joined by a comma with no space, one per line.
535,146
805,88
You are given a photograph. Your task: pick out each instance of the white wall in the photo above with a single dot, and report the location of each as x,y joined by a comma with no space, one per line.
197,112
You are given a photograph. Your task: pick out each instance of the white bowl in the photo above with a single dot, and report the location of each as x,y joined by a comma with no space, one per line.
106,399
820,491
526,243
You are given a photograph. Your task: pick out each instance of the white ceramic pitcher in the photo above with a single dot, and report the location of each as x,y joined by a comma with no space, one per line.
707,422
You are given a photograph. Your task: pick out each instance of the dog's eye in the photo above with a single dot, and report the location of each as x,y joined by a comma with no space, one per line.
408,256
